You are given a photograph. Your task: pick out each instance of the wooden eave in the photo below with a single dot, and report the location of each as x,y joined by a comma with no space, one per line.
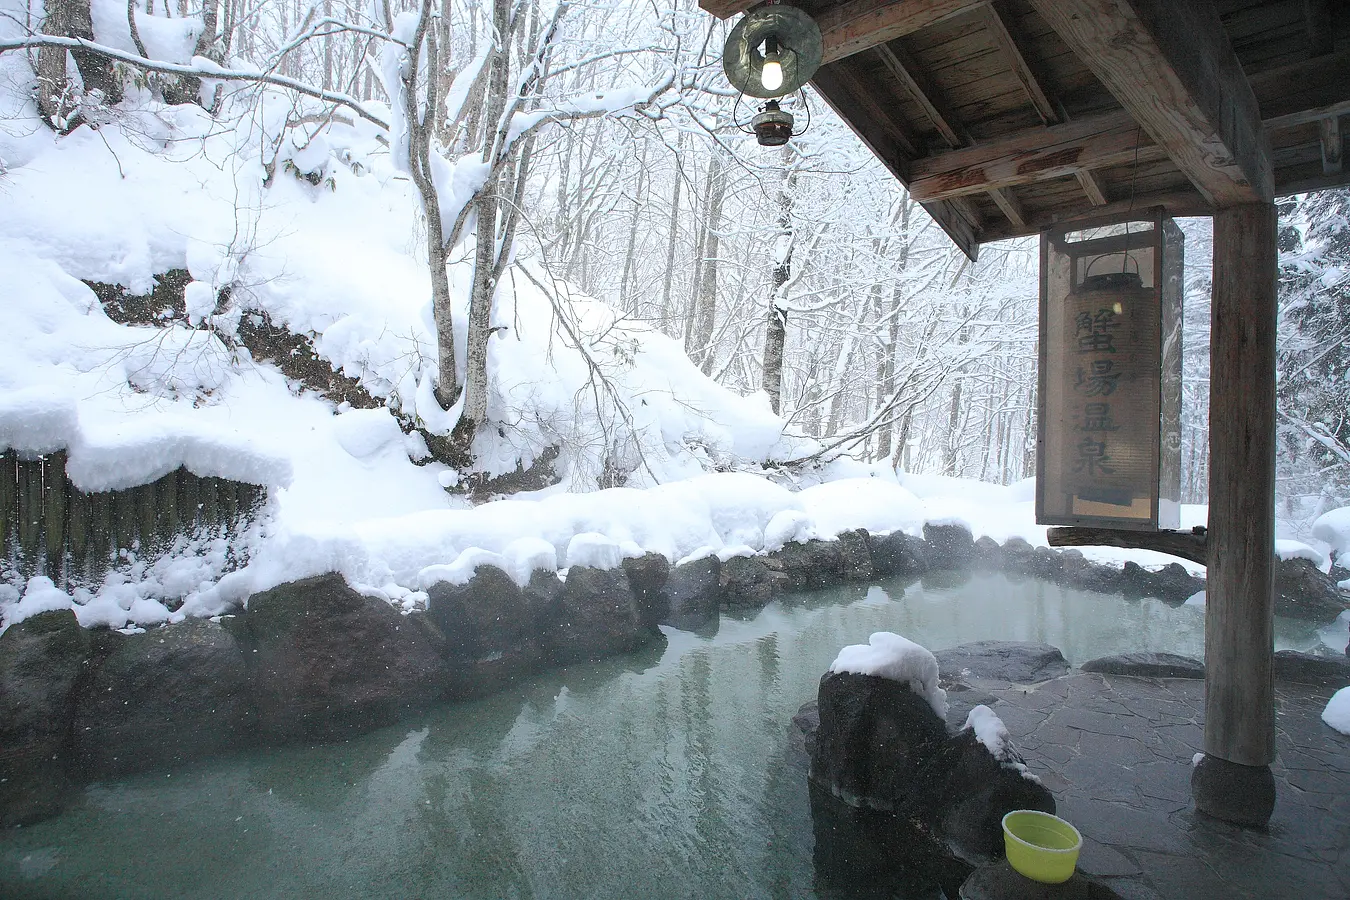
1004,117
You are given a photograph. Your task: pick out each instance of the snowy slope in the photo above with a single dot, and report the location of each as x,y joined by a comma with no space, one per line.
158,188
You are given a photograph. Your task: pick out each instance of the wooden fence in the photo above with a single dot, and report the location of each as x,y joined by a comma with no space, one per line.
48,527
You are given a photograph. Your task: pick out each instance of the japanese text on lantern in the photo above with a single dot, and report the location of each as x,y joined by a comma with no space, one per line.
1095,382
1109,395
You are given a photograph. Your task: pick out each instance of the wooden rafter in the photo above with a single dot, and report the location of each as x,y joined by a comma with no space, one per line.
1039,154
905,71
845,94
725,8
966,208
1171,65
1003,38
1010,206
1318,24
1303,92
865,100
1092,186
859,25
862,24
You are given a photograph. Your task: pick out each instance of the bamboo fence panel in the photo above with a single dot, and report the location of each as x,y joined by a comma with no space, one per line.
48,527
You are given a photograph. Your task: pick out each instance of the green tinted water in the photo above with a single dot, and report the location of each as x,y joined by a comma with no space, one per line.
662,775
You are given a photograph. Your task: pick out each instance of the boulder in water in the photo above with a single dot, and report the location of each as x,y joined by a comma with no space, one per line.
329,662
41,659
164,697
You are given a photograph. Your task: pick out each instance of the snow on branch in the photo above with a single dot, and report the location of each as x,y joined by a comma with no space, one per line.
201,67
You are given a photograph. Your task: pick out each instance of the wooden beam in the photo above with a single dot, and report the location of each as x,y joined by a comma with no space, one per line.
1303,91
1312,183
1038,154
907,72
1305,116
1092,186
726,8
968,210
862,24
1003,39
962,232
859,98
840,89
1171,65
1011,207
1329,130
1176,203
1239,593
1185,544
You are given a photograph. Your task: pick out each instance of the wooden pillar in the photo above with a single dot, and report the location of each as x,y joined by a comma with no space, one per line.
1239,606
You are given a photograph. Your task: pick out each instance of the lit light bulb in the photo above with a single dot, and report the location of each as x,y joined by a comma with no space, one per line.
771,76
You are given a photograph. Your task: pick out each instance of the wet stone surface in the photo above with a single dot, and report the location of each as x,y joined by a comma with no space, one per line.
1116,752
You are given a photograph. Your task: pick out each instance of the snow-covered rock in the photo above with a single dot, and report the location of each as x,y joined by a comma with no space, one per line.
888,655
1333,529
1337,713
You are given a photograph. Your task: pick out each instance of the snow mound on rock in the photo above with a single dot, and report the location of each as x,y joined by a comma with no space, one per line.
1337,713
888,655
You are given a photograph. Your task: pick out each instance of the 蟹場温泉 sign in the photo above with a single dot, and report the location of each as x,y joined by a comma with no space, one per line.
1110,375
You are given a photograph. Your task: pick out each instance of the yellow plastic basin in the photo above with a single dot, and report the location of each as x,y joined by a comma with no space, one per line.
1040,846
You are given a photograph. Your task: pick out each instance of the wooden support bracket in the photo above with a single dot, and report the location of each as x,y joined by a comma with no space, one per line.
1329,131
1190,545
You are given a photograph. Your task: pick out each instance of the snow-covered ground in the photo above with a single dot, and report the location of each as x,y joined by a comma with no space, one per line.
158,188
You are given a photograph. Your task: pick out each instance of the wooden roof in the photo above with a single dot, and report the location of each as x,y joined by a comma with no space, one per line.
1004,117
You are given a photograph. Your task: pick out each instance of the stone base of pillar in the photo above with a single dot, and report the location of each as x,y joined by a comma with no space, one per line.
1243,795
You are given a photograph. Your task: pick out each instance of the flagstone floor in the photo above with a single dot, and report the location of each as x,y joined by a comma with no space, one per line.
1116,751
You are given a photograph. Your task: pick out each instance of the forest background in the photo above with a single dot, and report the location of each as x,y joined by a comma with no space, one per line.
601,140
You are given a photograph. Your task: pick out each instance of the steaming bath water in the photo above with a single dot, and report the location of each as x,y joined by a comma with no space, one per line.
660,775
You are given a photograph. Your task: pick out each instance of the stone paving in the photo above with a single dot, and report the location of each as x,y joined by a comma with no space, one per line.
1116,752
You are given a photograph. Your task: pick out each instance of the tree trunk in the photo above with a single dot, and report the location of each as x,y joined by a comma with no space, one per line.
624,291
674,238
207,41
841,394
419,167
328,50
700,258
484,288
705,312
775,333
71,18
886,364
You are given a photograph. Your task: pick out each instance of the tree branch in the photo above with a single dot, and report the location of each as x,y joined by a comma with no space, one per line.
209,71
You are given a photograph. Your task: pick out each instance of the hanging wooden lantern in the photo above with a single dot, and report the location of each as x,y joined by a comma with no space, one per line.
1109,447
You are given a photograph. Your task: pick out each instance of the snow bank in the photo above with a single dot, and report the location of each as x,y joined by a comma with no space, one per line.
879,505
37,420
1337,713
1289,549
1333,528
888,655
